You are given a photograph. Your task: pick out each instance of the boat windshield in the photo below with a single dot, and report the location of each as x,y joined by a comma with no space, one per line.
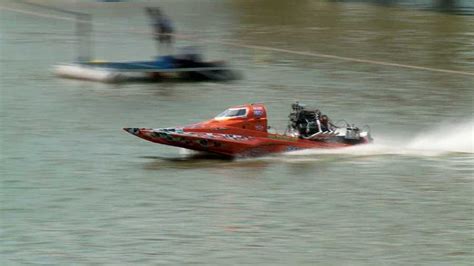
241,112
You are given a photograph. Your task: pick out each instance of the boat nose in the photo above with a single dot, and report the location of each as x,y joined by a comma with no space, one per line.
132,130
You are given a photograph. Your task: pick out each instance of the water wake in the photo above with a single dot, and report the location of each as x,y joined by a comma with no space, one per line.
458,138
433,142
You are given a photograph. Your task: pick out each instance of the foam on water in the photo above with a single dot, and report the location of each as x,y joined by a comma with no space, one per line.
458,138
431,142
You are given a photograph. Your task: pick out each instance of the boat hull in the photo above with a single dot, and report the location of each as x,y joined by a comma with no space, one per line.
238,143
164,67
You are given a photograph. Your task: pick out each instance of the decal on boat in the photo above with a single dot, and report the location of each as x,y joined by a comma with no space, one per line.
133,130
292,148
259,127
236,137
208,143
258,112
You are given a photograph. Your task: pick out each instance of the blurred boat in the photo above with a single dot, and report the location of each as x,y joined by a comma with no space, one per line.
181,66
242,131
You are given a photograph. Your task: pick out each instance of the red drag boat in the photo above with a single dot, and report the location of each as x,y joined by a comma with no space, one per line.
242,131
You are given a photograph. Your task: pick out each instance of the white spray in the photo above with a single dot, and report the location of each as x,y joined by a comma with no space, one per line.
430,142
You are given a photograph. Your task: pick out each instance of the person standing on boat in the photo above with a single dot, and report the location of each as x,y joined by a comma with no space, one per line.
162,27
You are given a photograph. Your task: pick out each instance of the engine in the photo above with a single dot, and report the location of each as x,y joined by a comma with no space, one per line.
303,120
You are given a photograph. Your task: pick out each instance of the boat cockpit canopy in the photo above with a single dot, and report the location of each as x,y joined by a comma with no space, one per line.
233,112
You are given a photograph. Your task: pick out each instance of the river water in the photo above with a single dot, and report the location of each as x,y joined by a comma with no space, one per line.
76,189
